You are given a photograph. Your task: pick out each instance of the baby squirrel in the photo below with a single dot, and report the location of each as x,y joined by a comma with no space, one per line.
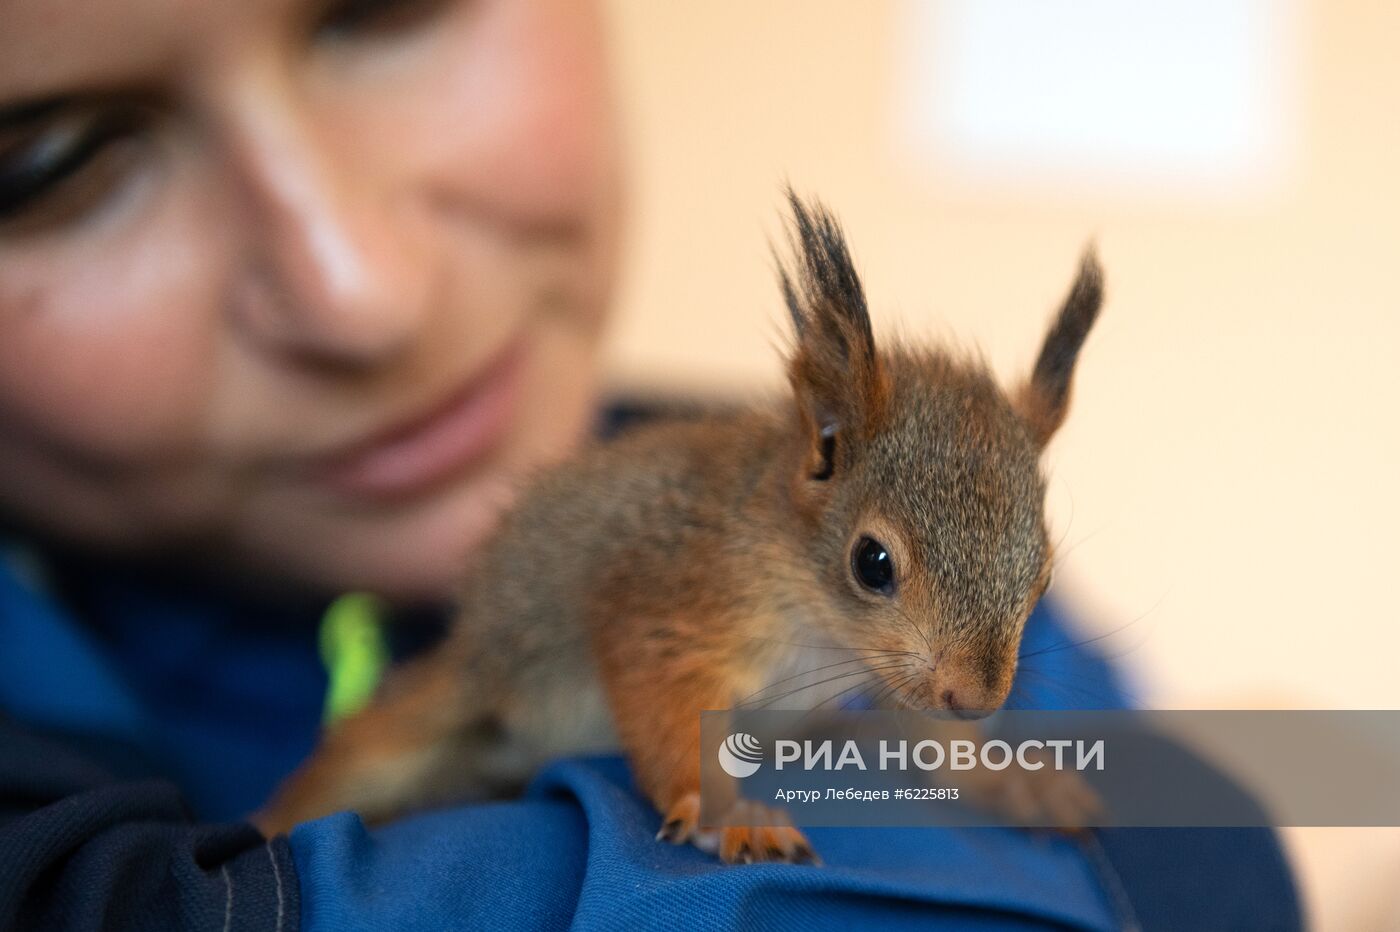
892,506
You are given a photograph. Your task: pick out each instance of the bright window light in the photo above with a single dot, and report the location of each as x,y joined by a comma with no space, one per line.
1193,93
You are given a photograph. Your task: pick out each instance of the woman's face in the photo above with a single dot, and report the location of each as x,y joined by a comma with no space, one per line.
296,288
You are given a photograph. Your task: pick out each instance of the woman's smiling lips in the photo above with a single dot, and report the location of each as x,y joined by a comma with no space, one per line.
418,453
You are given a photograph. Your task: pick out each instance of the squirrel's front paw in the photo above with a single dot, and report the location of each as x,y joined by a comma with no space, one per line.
1061,800
750,833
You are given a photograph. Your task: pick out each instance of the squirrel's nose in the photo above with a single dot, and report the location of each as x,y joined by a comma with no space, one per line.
957,690
950,701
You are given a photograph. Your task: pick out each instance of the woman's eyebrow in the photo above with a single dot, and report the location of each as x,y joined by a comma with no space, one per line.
65,49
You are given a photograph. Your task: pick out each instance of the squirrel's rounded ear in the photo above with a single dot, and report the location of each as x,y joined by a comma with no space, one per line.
1043,401
835,371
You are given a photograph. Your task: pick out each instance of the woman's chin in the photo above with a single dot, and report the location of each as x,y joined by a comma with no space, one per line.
416,545
409,552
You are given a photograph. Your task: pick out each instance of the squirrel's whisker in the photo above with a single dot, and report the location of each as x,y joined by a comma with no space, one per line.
769,700
1066,645
788,679
892,688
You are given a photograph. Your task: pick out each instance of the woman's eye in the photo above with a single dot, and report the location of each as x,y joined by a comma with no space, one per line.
873,566
347,18
53,150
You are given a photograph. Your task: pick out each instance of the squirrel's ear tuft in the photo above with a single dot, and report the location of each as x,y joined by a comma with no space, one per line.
835,371
1043,401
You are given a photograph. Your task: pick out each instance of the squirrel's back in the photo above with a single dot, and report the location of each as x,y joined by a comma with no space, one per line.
629,508
628,529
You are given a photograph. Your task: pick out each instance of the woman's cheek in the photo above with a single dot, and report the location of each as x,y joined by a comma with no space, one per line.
557,140
110,348
515,116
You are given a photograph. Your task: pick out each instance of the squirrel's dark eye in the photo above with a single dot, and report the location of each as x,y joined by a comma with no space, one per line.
874,568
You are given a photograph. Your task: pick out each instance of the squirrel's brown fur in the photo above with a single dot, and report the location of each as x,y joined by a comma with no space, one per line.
683,566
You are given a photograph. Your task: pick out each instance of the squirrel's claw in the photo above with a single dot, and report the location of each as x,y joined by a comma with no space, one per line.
742,844
672,831
682,820
755,833
752,833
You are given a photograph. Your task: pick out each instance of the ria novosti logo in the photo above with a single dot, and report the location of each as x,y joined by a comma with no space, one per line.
740,755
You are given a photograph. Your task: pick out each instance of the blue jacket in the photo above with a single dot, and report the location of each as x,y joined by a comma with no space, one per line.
140,719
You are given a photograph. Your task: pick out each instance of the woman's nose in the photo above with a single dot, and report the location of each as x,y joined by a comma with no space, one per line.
336,265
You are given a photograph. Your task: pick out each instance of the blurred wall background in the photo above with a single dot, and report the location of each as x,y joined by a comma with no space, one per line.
1226,484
